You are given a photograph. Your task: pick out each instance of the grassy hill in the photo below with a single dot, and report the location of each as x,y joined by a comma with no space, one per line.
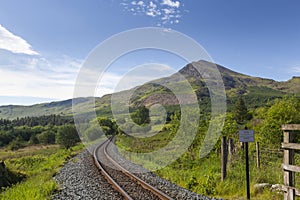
58,107
201,175
257,92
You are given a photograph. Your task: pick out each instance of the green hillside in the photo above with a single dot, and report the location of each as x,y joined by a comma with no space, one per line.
267,105
257,91
59,108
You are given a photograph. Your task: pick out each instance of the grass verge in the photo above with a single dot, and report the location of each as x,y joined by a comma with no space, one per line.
203,176
39,166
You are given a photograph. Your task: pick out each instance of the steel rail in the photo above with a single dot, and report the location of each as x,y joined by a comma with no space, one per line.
115,185
145,185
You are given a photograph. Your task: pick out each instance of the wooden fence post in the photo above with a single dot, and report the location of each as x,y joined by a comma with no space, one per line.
257,155
288,160
230,148
223,158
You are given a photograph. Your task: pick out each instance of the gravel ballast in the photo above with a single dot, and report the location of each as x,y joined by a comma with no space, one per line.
174,191
81,179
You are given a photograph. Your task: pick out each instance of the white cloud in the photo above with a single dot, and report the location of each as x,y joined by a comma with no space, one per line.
162,11
296,69
171,3
151,13
168,11
27,76
14,43
107,83
38,77
112,82
140,3
36,84
152,5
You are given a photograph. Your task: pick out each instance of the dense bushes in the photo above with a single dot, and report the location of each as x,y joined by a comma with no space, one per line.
67,136
18,133
284,111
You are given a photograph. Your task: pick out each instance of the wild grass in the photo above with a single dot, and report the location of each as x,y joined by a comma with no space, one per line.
203,176
39,166
28,151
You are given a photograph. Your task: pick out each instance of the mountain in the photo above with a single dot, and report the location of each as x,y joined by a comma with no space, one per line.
58,107
257,92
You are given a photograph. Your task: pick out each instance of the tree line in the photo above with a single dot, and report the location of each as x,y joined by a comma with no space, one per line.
51,129
44,120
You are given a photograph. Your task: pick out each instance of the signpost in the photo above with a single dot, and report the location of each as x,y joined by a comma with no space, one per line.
246,136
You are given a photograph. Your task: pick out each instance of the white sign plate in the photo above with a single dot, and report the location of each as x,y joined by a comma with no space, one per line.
246,136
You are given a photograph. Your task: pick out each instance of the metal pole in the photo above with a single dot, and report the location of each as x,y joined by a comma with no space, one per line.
224,158
257,155
247,171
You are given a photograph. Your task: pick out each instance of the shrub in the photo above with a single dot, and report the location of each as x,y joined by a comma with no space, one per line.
67,136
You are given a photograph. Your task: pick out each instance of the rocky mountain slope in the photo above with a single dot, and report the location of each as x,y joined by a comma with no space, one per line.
257,92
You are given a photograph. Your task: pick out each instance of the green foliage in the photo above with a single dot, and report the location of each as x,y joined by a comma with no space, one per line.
27,131
230,130
240,112
174,125
67,136
141,115
203,175
54,120
147,144
285,111
46,137
199,175
192,183
208,187
127,128
16,144
39,168
92,133
231,127
108,126
33,139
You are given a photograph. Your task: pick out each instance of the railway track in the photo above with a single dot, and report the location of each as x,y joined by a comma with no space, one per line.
126,183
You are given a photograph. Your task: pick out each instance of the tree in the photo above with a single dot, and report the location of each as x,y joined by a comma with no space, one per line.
16,144
92,133
67,136
108,126
230,127
33,139
285,111
46,137
141,115
240,112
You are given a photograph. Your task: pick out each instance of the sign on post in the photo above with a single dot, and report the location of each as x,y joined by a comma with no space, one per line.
246,136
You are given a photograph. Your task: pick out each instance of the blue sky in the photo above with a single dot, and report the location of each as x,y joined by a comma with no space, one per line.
44,43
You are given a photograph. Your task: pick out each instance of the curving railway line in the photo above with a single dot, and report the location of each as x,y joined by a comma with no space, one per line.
127,184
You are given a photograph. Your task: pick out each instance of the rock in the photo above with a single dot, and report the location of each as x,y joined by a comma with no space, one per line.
277,187
262,186
8,178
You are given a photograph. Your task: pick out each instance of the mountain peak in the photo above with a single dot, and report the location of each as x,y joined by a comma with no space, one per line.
190,70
